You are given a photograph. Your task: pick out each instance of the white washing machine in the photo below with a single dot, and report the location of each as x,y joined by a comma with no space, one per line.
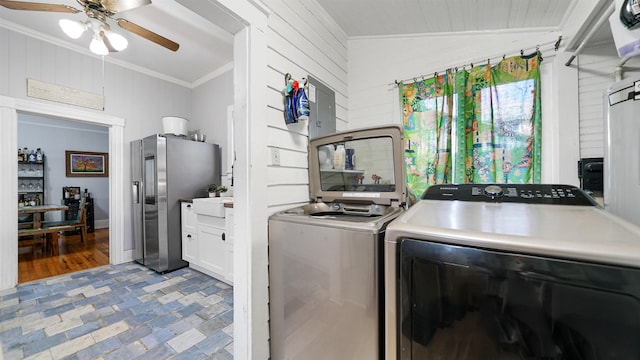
511,272
326,283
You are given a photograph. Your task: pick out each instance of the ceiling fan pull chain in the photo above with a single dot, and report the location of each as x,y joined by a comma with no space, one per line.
103,77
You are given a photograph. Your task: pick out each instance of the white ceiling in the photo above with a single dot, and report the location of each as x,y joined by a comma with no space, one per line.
395,17
205,48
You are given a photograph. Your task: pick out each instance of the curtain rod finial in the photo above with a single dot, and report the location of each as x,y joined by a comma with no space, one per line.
557,44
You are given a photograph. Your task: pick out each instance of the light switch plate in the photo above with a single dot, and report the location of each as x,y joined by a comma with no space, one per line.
275,156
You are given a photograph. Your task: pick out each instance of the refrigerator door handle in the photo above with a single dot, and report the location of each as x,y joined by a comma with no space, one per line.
136,192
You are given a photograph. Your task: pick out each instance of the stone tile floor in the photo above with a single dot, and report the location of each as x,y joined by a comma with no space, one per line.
118,312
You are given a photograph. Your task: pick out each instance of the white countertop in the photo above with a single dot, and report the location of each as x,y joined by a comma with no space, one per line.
575,232
212,206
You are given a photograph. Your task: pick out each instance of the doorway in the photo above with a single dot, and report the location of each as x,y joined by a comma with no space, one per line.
9,109
49,183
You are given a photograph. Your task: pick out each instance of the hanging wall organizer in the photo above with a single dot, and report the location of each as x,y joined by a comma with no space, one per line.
296,103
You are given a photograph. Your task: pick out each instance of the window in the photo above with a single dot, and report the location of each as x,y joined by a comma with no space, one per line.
476,126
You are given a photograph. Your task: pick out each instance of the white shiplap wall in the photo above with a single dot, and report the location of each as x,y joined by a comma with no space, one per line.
138,98
209,112
375,63
302,40
596,67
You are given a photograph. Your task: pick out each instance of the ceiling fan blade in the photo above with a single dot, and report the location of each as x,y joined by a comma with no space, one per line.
33,6
116,6
147,34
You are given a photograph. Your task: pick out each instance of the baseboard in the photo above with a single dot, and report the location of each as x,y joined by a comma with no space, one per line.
101,224
127,256
210,273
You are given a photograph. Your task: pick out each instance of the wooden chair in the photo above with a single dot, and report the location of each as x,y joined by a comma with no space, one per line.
55,227
35,242
79,221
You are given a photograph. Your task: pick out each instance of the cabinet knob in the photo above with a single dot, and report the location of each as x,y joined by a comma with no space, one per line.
223,237
188,205
188,235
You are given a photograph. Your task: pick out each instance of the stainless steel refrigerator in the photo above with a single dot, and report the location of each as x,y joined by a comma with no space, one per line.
166,169
622,152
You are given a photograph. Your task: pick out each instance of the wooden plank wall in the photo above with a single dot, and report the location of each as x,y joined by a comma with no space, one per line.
596,74
303,40
139,98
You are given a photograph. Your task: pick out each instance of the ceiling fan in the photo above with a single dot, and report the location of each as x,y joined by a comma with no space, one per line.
98,11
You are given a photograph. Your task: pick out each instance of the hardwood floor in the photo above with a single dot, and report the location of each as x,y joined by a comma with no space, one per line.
35,263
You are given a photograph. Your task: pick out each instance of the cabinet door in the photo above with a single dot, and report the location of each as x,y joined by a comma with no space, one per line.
188,217
189,233
190,246
211,249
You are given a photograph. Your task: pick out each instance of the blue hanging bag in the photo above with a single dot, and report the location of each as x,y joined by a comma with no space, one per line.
302,104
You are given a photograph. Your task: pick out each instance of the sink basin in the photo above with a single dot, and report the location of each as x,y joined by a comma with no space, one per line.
210,206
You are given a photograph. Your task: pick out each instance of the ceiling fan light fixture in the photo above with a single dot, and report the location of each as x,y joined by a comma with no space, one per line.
98,47
117,41
72,28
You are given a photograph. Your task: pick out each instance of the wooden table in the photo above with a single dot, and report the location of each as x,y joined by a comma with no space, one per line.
39,210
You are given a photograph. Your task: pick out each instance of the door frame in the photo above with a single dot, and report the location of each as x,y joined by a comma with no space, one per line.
9,109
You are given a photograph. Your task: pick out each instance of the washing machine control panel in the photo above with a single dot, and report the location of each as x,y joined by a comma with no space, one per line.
358,209
514,193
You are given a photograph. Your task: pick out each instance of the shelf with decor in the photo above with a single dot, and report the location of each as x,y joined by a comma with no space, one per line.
31,181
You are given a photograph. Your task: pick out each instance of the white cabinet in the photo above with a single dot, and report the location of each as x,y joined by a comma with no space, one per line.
189,233
207,241
212,249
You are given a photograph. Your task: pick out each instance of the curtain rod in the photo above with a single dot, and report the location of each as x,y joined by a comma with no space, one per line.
556,46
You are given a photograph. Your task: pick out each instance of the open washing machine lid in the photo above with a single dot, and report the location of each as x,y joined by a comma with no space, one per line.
363,166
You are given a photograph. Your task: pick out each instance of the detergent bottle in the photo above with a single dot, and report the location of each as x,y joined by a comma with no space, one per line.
339,157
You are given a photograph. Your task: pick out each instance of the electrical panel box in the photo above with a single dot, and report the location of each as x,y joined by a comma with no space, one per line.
322,103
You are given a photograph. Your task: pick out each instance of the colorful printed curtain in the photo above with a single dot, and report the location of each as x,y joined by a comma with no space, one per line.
497,116
427,112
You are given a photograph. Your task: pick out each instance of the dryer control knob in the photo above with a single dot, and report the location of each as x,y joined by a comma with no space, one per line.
493,191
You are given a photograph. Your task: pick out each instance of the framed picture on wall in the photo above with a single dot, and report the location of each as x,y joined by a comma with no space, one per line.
84,163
